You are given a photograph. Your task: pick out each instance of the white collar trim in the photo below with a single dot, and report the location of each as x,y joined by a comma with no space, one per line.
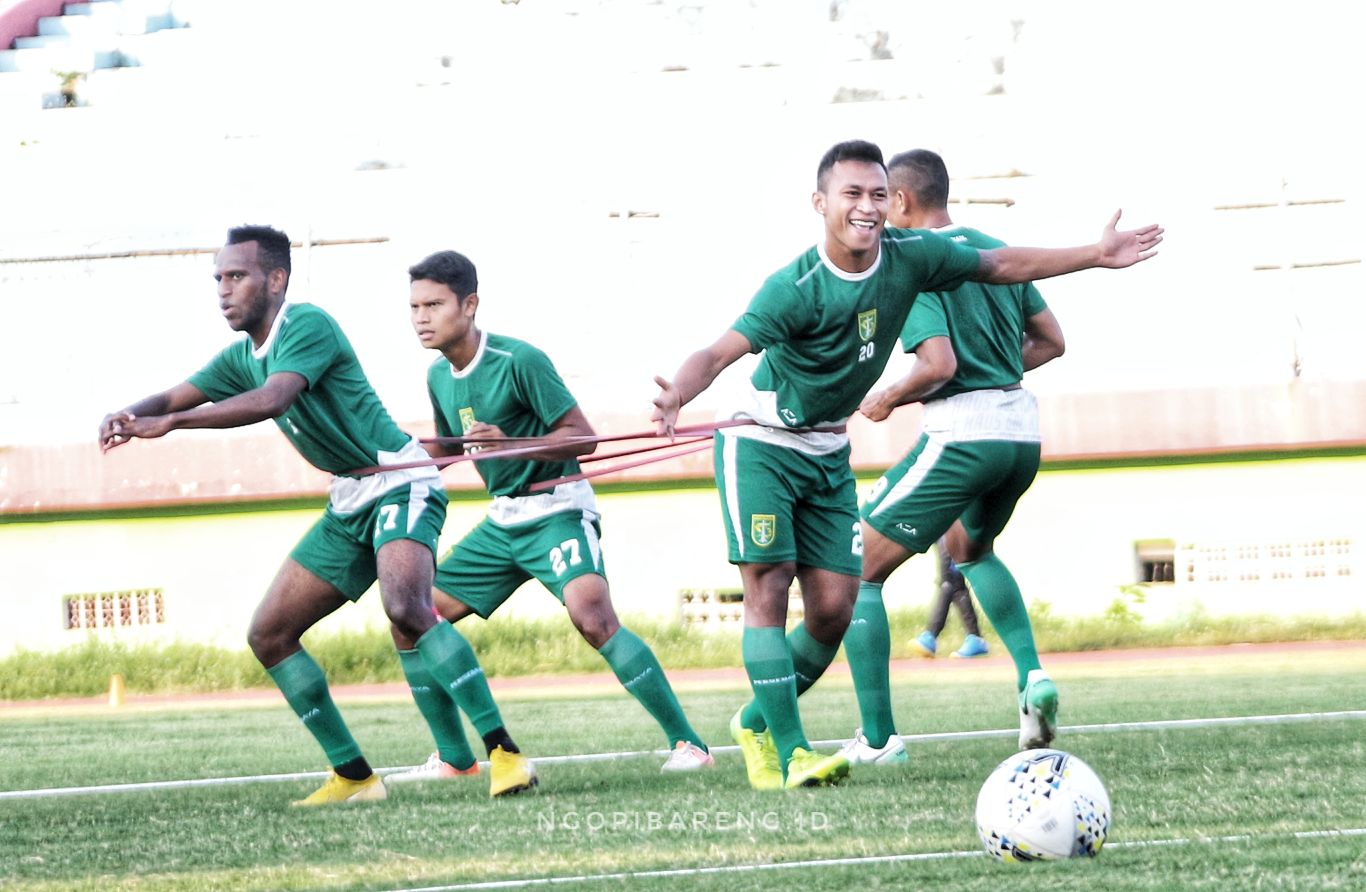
260,352
845,274
473,363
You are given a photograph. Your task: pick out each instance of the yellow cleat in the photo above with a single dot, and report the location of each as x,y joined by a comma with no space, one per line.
808,769
510,773
338,789
761,756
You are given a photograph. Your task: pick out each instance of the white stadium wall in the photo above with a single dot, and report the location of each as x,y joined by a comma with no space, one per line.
1265,537
623,197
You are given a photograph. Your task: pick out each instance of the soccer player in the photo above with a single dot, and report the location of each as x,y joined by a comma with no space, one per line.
950,589
296,366
977,453
492,387
510,770
826,324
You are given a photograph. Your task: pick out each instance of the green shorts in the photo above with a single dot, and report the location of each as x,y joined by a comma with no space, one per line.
485,567
937,483
782,504
340,549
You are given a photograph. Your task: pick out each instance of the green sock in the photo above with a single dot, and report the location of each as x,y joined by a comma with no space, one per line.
1000,598
440,711
304,685
638,670
810,659
451,661
768,662
868,647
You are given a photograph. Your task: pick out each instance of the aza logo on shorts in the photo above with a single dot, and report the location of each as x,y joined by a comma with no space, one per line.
867,324
467,419
763,529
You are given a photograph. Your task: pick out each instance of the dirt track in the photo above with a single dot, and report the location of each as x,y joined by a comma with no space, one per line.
694,678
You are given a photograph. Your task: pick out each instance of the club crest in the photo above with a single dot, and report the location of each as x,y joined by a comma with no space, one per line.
763,529
467,419
867,324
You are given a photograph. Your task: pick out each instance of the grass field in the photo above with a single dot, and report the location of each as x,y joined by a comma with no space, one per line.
1236,805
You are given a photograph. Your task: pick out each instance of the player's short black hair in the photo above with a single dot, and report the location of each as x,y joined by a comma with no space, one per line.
272,249
850,150
922,173
450,268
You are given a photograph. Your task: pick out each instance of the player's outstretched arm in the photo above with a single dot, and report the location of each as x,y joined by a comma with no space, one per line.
116,427
1116,249
270,400
694,376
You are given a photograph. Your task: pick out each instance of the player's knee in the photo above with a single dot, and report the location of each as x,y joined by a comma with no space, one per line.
410,617
829,625
595,624
270,646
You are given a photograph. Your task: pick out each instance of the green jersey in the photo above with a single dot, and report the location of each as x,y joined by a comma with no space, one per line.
826,334
337,423
985,324
509,384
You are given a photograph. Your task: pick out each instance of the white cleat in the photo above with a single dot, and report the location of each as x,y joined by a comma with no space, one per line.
432,769
687,757
1038,711
860,752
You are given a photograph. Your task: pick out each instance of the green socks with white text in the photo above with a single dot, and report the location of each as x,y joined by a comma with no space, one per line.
810,659
768,662
638,670
999,595
304,685
868,647
439,709
451,661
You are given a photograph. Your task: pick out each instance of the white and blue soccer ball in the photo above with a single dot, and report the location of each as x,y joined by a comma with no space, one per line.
1043,805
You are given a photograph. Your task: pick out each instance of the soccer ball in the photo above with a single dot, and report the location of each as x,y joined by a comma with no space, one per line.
1043,805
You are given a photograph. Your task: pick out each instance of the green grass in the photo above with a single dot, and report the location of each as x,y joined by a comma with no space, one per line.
591,818
514,647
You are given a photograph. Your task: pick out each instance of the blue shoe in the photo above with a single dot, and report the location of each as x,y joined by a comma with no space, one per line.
924,644
973,646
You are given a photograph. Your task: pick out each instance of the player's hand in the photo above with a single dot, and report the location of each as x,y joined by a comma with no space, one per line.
876,407
108,439
479,430
1121,248
667,403
124,426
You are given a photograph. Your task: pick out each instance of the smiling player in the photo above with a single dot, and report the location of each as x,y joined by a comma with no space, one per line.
826,325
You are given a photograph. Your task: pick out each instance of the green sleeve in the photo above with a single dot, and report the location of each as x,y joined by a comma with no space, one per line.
543,390
948,263
308,346
224,375
775,314
927,319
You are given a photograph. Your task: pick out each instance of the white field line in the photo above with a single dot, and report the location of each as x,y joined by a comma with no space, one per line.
1165,724
848,862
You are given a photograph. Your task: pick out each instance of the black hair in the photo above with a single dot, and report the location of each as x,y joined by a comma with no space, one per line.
450,268
272,250
850,150
922,173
